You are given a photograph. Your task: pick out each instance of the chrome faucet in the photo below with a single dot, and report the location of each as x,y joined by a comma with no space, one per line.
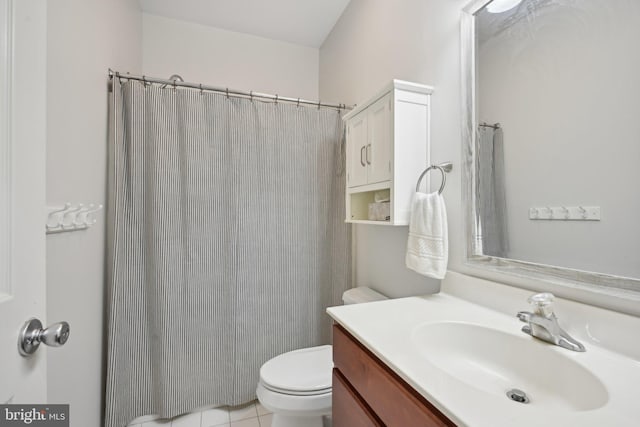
543,323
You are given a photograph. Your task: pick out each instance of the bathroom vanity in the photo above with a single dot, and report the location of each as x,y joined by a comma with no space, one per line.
452,358
367,393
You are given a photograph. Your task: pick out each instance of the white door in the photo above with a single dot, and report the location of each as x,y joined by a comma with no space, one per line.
356,150
379,147
22,194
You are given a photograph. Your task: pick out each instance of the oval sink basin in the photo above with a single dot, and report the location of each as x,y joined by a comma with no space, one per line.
494,361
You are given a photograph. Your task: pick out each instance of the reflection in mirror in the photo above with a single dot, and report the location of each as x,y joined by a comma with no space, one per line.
553,134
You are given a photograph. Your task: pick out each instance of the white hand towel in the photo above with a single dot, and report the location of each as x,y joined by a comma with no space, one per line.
428,246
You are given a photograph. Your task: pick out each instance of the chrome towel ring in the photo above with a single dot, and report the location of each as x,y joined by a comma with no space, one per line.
444,168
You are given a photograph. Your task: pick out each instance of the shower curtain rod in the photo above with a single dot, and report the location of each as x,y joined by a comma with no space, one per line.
487,125
226,91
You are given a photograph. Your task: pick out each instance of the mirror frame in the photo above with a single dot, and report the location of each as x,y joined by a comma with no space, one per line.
628,288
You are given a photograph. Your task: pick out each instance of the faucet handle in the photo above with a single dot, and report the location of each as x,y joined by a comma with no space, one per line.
542,304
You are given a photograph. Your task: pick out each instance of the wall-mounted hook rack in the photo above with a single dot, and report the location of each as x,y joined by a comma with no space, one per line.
565,213
70,217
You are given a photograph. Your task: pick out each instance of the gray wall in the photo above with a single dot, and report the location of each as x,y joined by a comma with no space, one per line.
416,40
85,38
223,58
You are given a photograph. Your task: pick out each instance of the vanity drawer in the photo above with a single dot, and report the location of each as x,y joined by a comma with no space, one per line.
349,410
393,401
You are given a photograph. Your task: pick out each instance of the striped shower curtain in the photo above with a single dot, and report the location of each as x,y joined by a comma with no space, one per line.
226,244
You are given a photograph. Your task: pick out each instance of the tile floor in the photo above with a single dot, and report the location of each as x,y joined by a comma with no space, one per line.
251,415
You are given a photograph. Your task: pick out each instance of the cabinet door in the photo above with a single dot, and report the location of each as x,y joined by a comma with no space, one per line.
378,150
356,150
348,408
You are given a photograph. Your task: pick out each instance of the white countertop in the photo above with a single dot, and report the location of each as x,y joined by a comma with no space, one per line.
386,329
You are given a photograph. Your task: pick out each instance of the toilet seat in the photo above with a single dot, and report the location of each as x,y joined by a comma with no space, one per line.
304,372
295,392
282,404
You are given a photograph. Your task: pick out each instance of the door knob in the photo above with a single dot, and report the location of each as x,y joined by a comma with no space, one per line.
32,334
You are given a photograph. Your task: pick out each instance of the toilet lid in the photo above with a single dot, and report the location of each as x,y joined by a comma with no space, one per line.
304,371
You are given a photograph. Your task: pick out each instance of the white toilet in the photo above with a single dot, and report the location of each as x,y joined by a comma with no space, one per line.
296,386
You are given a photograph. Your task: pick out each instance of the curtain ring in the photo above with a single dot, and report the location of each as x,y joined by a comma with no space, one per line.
174,85
227,91
298,102
201,91
251,95
276,98
319,105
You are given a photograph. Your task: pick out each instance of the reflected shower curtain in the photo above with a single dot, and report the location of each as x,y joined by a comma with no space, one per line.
226,244
491,195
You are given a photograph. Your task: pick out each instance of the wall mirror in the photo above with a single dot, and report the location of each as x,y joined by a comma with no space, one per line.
552,139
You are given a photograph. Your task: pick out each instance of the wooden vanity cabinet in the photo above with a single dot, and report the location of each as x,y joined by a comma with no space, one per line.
368,393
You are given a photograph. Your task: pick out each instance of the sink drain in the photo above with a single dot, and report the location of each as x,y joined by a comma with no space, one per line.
517,395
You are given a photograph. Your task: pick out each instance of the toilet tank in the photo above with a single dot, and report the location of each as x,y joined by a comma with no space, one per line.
360,295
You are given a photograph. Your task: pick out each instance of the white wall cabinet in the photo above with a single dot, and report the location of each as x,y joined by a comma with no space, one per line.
387,149
369,144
